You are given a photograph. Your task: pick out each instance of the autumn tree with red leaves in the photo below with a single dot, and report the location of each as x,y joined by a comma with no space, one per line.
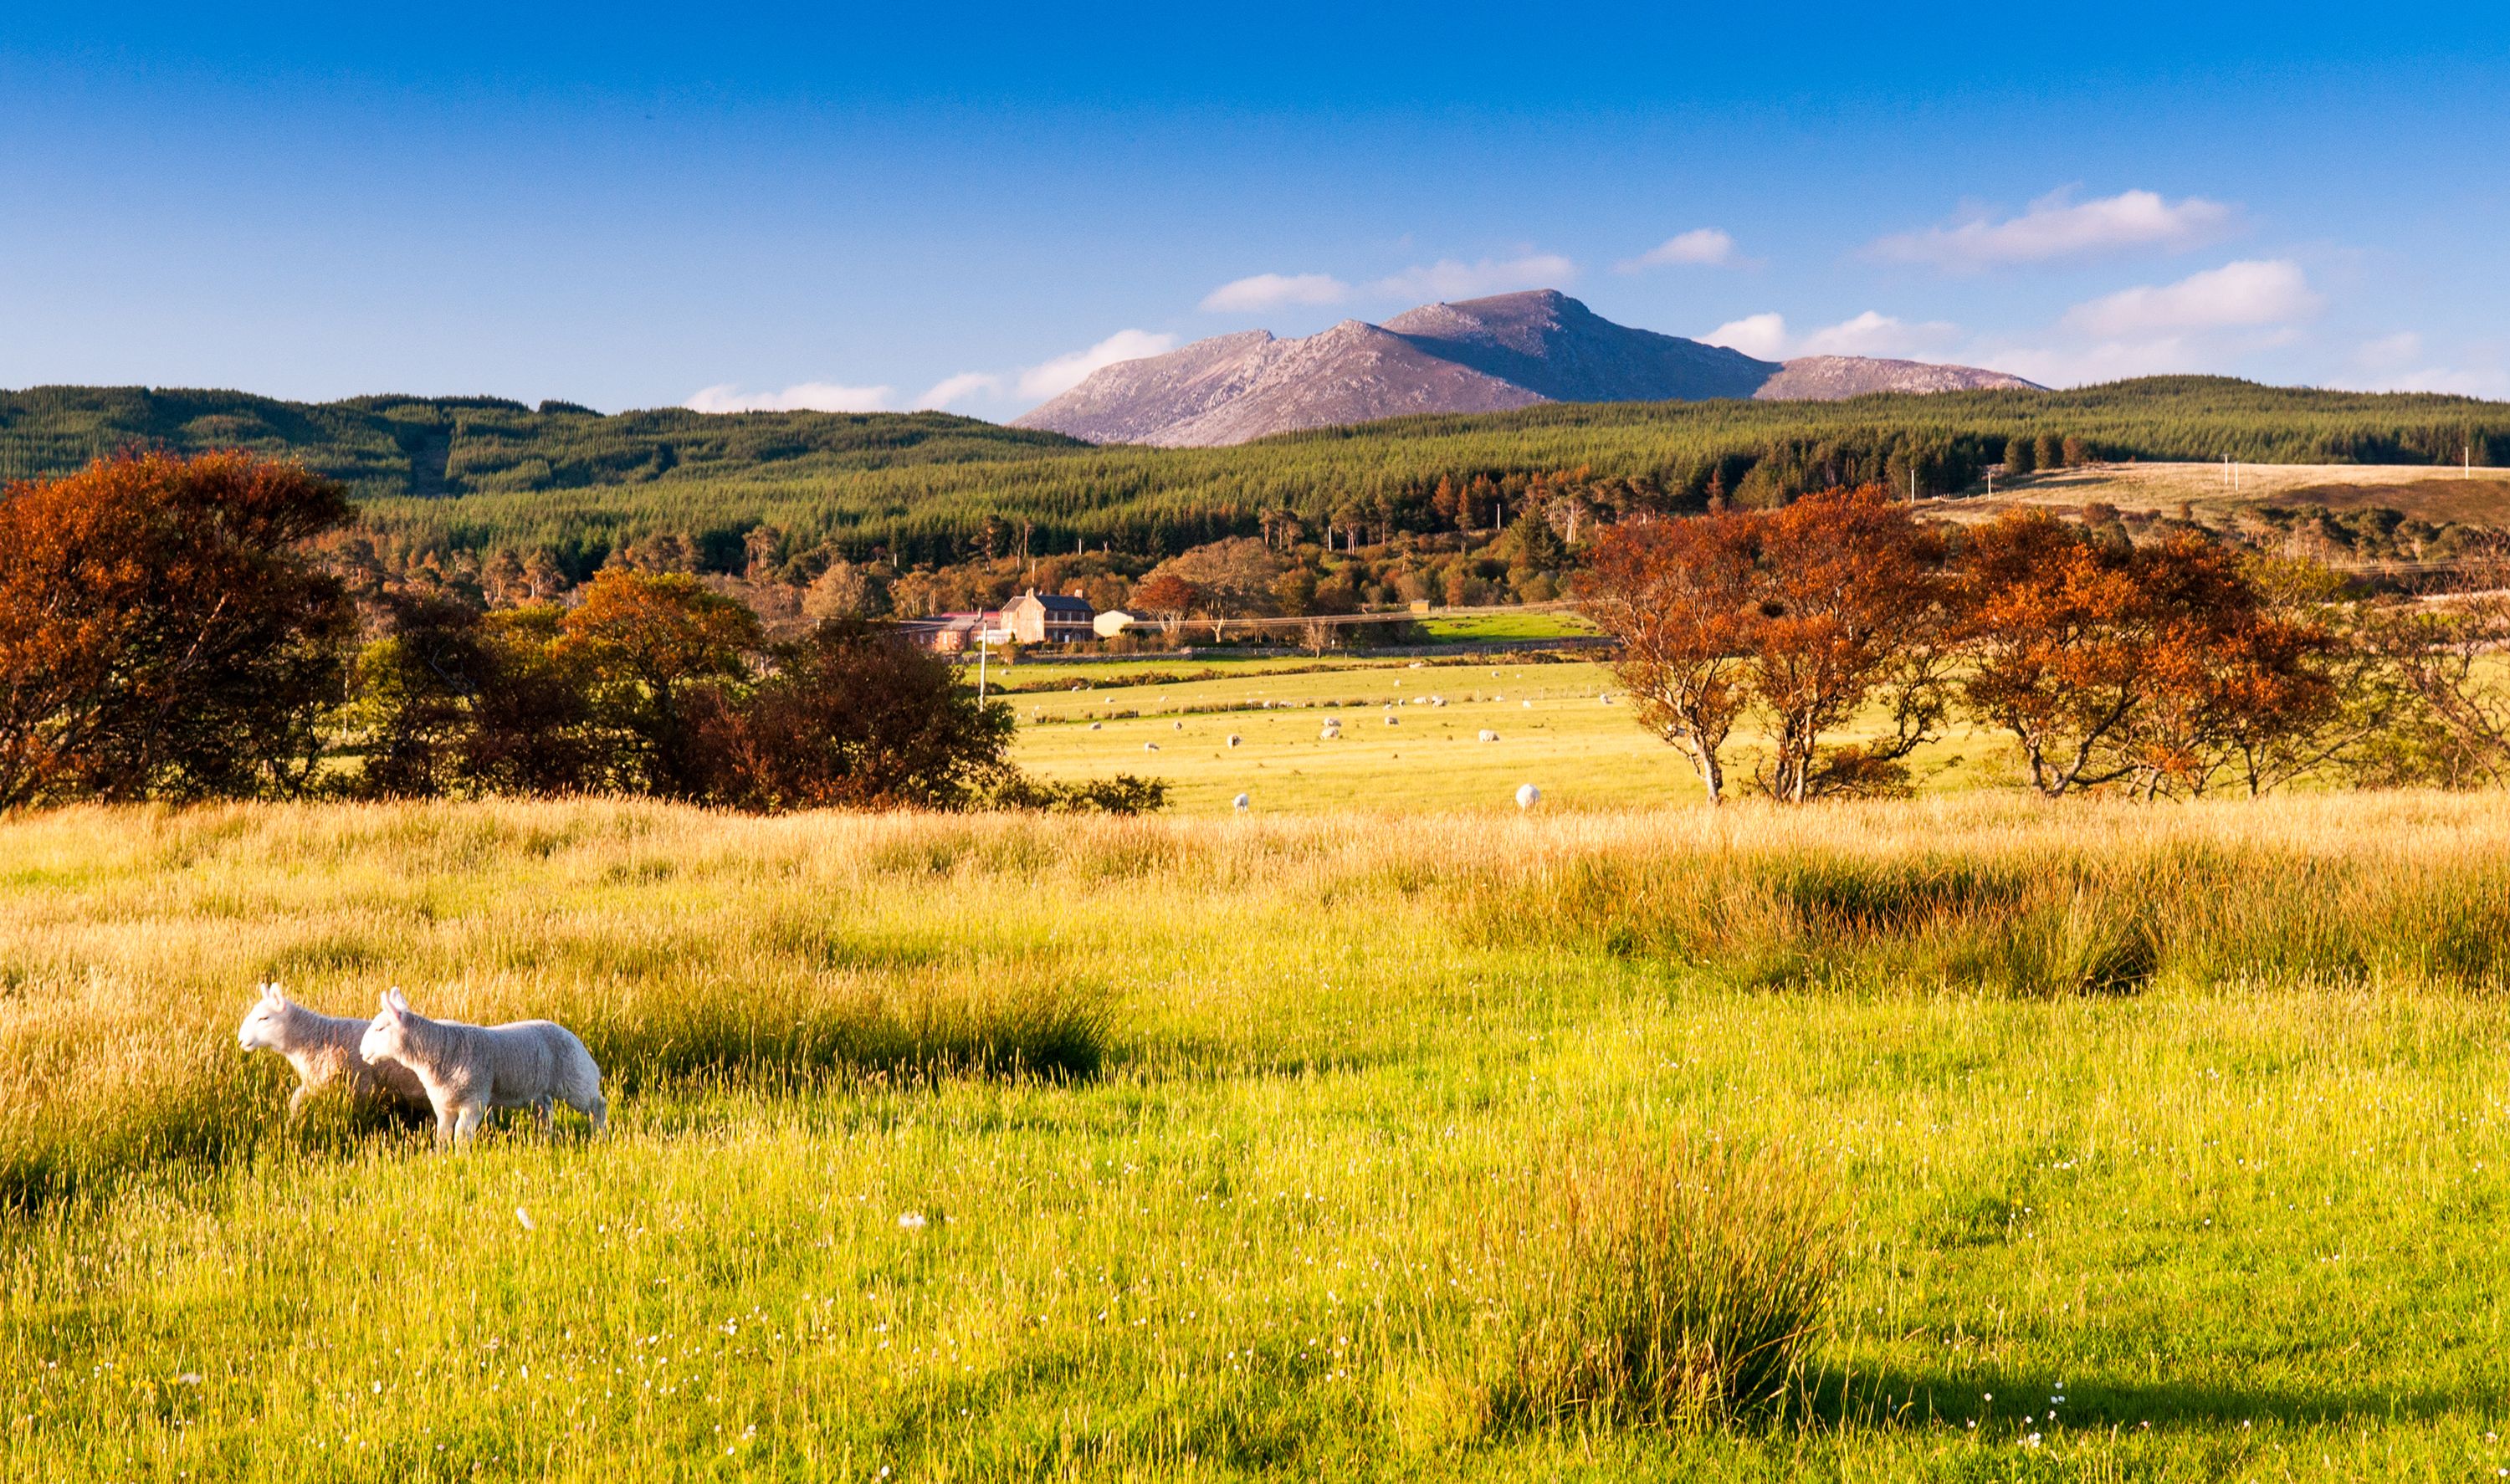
1678,595
162,631
1847,608
1805,614
2162,666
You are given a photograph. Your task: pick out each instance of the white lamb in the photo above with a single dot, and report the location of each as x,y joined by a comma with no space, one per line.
468,1069
323,1049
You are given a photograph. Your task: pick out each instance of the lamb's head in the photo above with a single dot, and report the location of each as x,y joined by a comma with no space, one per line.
386,1036
264,1027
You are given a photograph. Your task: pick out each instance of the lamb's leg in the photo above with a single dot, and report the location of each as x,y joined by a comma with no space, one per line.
595,1108
444,1125
296,1103
466,1121
547,1112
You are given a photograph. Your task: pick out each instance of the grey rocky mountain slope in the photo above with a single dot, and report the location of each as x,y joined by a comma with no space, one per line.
1487,355
1548,343
1828,378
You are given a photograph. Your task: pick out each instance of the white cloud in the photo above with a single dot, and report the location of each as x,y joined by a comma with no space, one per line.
1877,334
2243,293
950,389
1762,335
2403,348
2108,361
805,396
1700,247
2058,227
1869,333
1272,290
2494,384
1056,377
1447,279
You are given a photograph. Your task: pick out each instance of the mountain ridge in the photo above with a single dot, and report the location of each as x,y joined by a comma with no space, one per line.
1489,354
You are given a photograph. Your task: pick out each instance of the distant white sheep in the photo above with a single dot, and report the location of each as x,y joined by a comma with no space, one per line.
323,1049
1235,739
1150,746
1489,736
1093,725
468,1069
1241,802
1393,721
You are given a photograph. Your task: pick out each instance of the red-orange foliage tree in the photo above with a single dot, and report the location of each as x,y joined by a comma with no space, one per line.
1805,613
1167,597
644,642
162,631
1678,595
2160,666
1848,603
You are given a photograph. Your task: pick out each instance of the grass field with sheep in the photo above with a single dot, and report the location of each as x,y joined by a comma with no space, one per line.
1959,1138
1328,736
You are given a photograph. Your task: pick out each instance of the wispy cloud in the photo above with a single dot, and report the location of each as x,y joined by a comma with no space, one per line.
951,389
1272,290
1871,333
2059,227
2077,365
1448,279
2458,380
1761,335
1056,377
1699,247
1878,334
2397,363
2389,352
803,396
2235,295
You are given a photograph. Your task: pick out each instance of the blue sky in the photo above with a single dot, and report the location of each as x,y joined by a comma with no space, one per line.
636,207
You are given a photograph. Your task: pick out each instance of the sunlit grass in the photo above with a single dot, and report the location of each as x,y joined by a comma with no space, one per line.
1374,1097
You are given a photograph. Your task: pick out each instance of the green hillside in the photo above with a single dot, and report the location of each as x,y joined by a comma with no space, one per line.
480,473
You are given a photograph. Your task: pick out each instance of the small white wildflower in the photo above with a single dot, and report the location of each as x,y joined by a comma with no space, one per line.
526,1217
911,1220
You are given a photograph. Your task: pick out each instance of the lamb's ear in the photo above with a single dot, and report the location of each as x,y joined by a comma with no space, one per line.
398,1002
386,1001
275,994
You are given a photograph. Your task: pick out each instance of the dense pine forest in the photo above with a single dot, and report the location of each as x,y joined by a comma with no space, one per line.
481,474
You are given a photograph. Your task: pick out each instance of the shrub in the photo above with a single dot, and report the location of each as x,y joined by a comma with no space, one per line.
851,717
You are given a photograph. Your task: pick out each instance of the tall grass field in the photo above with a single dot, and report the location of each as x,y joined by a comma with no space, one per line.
1960,1138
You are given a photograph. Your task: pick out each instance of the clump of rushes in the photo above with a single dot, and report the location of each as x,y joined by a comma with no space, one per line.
1660,1283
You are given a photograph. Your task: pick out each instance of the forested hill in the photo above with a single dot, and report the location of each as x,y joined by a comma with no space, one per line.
482,474
435,446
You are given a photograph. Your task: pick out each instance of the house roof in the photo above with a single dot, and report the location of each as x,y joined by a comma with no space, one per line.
1051,603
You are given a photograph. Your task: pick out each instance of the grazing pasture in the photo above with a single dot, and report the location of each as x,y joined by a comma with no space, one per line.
2087,1139
1555,731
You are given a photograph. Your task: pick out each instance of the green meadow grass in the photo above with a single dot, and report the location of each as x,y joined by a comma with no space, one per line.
1555,731
2111,1142
1491,627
